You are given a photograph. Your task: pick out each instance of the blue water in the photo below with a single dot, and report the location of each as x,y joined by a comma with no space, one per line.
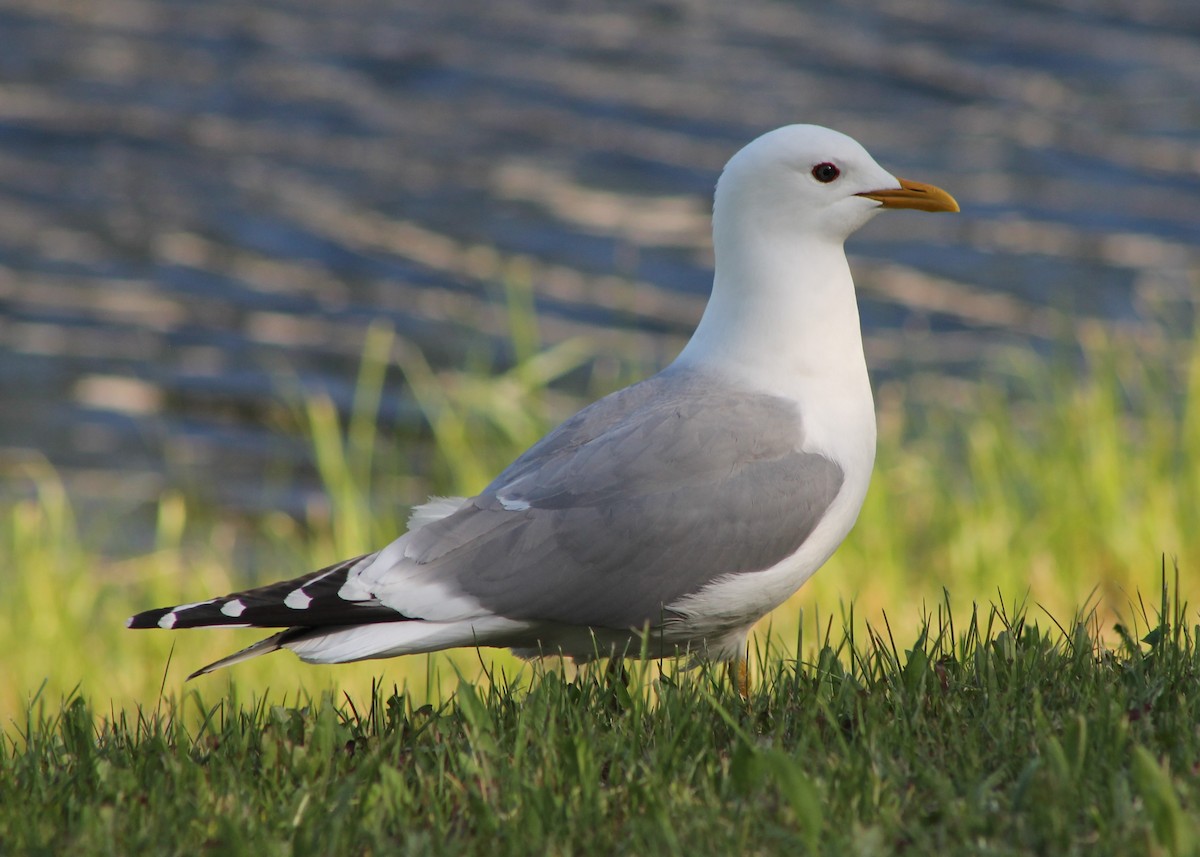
214,199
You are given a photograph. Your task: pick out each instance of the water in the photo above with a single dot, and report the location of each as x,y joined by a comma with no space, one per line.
202,203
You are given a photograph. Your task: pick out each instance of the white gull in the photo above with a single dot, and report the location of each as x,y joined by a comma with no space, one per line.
667,517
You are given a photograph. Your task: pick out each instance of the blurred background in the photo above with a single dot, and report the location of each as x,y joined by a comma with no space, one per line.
205,204
201,201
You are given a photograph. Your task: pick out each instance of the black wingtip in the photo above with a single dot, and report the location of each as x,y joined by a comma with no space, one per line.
313,599
147,618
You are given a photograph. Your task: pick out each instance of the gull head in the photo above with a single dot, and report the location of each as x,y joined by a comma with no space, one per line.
812,181
783,304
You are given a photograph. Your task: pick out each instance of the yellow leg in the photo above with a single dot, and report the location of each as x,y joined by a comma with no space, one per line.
741,677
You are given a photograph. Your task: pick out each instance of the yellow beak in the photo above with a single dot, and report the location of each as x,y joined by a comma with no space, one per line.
923,197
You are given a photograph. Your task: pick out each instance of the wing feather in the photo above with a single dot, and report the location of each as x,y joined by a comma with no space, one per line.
642,498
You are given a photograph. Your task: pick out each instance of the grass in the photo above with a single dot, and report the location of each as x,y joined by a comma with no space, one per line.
994,736
985,736
1061,492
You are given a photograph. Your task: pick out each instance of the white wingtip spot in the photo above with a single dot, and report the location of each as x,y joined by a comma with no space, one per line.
167,621
512,505
233,608
297,599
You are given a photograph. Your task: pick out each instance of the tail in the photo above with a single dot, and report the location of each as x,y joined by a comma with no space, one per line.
312,600
272,643
324,619
305,606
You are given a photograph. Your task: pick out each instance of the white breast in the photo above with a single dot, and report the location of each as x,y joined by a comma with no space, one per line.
838,419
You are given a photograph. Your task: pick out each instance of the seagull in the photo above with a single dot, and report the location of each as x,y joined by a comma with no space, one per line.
670,516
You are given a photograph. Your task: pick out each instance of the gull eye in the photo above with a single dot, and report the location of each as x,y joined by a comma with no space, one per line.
826,172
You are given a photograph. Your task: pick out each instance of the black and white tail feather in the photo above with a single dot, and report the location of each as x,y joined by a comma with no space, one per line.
302,605
312,605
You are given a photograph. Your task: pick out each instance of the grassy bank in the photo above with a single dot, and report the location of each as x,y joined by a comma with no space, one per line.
1066,489
996,732
987,735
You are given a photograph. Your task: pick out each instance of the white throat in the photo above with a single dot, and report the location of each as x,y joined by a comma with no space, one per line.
781,315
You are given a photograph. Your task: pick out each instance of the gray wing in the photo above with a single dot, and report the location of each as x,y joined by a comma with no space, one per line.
641,498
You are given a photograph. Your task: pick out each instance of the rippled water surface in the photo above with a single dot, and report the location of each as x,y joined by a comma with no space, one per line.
204,203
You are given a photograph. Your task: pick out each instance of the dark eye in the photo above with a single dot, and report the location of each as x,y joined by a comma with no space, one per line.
826,172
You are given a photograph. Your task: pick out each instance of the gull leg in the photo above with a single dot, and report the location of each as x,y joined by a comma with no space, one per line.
741,677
